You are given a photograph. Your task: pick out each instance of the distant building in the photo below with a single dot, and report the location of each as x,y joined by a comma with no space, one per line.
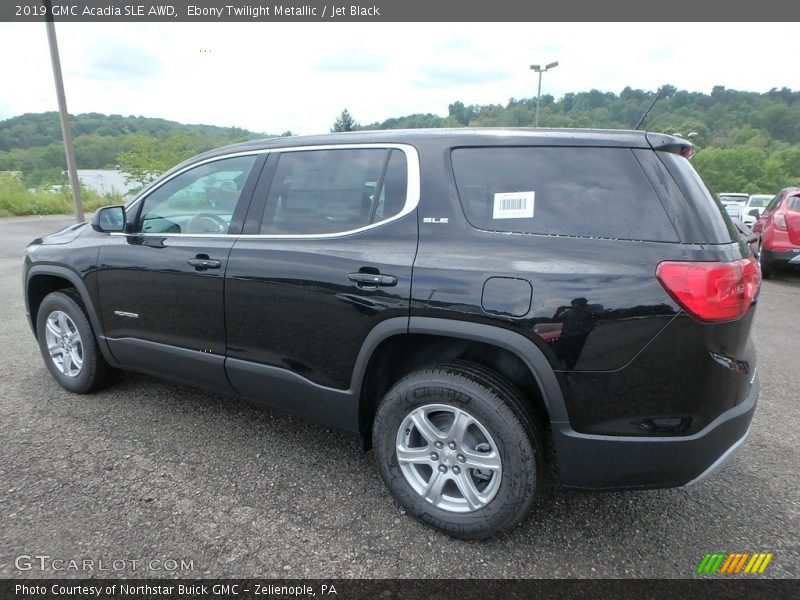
105,181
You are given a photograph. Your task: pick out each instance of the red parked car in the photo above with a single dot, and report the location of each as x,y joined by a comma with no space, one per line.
778,229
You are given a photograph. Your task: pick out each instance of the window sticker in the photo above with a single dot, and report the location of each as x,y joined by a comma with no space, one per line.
513,205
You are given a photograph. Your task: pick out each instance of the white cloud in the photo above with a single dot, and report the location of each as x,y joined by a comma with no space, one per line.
270,77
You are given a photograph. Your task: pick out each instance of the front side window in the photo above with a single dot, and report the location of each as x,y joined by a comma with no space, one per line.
200,200
334,191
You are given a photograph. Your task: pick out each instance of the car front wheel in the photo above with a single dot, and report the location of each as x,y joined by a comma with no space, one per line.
68,345
458,448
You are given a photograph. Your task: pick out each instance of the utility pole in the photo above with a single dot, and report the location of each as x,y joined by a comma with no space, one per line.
538,69
74,184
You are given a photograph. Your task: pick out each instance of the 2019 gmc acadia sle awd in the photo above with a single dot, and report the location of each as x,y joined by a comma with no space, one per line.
453,296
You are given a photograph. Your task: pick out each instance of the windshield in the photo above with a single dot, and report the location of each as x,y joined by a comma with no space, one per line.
759,201
732,198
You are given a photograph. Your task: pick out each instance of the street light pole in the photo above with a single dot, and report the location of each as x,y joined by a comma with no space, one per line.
538,69
63,115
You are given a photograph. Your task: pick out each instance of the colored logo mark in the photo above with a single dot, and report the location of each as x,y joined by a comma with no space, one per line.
734,563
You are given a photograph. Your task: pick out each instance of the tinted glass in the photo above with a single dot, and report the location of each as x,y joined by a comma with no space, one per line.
392,196
200,200
758,202
592,192
333,191
774,203
717,224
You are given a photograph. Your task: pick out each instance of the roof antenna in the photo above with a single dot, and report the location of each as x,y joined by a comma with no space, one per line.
649,108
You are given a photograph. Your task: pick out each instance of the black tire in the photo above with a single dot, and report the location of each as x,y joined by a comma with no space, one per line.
499,408
767,269
95,373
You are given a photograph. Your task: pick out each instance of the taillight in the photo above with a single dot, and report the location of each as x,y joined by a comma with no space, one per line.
780,221
712,291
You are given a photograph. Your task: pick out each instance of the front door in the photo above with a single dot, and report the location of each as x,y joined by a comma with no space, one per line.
161,283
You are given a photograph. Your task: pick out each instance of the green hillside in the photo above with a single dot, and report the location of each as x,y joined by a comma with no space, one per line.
746,141
31,143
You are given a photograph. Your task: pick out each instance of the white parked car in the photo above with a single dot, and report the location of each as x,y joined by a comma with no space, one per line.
734,204
754,207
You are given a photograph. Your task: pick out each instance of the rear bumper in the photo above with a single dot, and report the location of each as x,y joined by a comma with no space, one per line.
588,461
790,257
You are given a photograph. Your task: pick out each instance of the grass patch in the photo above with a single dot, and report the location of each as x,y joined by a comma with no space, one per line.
17,200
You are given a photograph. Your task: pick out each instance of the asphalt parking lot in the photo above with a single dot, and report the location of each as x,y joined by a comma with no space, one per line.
153,471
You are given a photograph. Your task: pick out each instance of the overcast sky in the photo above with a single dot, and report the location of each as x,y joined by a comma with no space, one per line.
270,77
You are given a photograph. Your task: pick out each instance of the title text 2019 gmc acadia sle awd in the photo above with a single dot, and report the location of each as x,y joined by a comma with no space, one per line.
452,296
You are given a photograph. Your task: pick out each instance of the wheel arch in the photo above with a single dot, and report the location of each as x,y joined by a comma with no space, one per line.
463,334
42,280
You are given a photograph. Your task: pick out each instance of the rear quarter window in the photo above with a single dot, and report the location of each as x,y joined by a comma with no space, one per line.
586,192
707,209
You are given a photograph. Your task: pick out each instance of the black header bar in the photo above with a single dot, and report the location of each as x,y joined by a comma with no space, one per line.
719,588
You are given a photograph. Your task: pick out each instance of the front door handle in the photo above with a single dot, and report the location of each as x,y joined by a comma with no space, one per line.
372,279
202,262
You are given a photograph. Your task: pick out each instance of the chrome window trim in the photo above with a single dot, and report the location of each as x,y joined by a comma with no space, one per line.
188,168
411,203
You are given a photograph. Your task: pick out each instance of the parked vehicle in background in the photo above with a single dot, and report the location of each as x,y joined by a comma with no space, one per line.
280,271
734,203
755,206
778,229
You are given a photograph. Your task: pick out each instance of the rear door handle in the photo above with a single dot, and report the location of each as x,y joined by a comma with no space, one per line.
372,279
201,264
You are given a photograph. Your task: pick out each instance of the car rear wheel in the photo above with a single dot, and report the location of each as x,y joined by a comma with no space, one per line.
459,450
767,268
68,345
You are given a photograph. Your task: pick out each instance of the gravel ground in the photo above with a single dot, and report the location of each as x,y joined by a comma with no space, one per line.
150,470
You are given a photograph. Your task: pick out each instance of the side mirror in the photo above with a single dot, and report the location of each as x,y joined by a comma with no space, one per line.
754,212
109,218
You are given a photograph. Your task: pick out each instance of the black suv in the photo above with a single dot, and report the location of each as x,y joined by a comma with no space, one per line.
456,297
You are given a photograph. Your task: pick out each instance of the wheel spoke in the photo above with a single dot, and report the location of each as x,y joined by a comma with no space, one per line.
426,428
66,366
459,427
467,488
62,323
478,460
74,337
413,455
52,327
433,491
76,358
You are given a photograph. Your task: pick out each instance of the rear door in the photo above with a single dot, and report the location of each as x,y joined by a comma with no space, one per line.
326,256
161,284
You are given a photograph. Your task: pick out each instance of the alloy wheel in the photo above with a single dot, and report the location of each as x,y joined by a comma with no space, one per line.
449,458
64,343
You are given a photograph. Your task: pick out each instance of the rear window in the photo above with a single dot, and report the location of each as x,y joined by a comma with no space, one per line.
586,192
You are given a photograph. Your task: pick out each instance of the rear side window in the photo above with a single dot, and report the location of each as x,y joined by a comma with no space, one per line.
719,229
334,191
587,192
